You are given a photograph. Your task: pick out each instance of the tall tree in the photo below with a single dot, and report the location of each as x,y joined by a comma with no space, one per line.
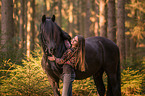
70,4
0,21
16,23
111,20
75,17
25,27
88,22
127,45
60,13
82,17
121,28
33,25
44,7
102,19
7,24
133,44
127,34
28,28
21,30
133,39
78,7
96,30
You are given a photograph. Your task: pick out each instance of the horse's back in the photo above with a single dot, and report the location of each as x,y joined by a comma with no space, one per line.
107,44
96,50
102,39
110,51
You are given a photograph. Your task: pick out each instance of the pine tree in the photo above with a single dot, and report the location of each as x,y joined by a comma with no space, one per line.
28,28
88,22
21,30
60,13
102,19
121,28
70,13
111,20
33,41
7,24
96,30
44,7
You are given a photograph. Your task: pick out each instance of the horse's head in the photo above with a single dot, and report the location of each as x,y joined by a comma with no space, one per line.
51,34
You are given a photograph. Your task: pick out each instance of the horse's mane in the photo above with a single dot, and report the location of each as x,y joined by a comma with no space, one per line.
64,35
55,33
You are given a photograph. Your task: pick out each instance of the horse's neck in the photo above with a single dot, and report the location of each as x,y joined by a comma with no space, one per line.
60,49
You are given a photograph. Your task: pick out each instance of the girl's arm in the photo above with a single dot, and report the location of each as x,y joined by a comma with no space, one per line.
62,59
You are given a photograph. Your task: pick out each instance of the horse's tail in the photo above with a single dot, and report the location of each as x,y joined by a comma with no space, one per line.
119,74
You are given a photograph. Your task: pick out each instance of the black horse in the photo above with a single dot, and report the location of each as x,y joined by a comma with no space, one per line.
102,55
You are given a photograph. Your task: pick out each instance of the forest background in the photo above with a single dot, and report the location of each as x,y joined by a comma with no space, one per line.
122,21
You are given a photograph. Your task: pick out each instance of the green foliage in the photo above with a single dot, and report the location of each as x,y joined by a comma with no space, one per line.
83,87
136,64
133,78
131,82
135,16
143,72
86,87
28,79
13,54
6,67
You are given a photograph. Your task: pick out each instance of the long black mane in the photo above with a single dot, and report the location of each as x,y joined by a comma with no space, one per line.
52,37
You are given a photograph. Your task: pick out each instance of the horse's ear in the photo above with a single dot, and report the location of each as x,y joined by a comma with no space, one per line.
53,18
43,18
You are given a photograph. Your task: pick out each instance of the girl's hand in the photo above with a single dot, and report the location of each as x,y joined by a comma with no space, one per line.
51,58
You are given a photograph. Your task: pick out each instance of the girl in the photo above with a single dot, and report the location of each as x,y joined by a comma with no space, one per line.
73,58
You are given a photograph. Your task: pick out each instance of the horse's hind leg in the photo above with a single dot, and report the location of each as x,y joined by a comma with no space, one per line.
109,88
113,89
99,82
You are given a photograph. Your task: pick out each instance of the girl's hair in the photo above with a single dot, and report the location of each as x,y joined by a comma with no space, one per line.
81,53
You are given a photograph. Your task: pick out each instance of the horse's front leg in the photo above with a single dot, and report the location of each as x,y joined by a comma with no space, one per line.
53,82
55,86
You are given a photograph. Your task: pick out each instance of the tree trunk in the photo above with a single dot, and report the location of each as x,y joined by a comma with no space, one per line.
25,28
78,7
121,28
21,30
127,45
96,30
7,24
16,24
0,22
44,7
102,19
111,21
33,25
60,14
133,44
127,34
28,28
133,40
74,12
70,4
82,17
88,22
